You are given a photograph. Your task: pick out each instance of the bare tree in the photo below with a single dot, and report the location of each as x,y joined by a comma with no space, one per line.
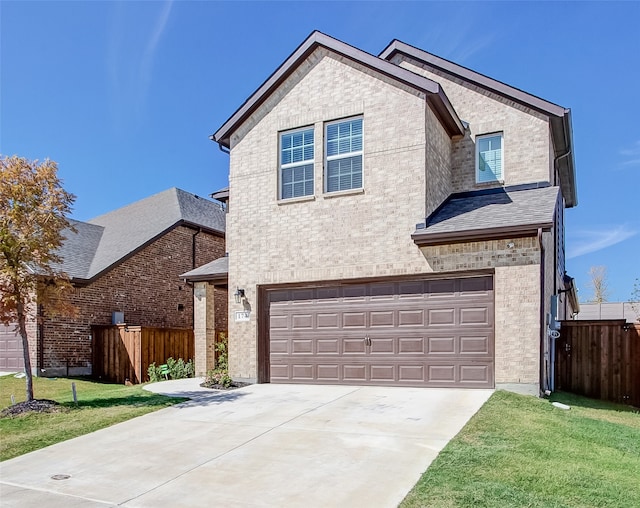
599,284
33,210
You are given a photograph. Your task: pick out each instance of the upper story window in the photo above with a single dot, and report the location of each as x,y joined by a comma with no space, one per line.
296,163
489,158
344,155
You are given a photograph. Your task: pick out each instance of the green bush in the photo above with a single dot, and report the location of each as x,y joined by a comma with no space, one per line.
172,369
220,374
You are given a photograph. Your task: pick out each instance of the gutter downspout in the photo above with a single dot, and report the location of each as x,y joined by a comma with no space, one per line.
220,146
542,387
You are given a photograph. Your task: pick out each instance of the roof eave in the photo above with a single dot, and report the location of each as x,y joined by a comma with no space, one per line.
422,238
217,278
453,124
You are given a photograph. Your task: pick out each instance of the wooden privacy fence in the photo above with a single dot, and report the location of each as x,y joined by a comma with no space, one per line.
123,353
599,359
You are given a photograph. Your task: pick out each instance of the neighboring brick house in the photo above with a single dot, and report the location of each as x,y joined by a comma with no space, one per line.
128,262
395,220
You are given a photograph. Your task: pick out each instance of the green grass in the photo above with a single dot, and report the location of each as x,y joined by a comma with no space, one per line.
521,451
99,405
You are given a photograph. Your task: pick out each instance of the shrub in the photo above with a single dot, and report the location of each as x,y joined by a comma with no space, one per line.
173,369
219,375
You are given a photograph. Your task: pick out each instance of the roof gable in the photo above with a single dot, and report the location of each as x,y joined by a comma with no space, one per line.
437,98
99,244
559,117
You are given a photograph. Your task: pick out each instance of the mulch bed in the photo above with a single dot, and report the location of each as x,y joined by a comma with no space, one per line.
33,406
234,385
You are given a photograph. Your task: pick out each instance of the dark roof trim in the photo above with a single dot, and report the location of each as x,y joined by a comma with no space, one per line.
437,98
422,238
190,225
218,278
476,78
560,117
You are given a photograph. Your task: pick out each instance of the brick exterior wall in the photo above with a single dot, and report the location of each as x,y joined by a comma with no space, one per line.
410,166
526,132
146,287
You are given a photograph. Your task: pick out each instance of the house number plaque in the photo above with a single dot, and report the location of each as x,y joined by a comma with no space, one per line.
242,315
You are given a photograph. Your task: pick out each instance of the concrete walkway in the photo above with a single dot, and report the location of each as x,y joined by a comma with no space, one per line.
258,446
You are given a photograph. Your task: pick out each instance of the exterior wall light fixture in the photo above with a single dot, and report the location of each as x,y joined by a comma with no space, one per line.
239,295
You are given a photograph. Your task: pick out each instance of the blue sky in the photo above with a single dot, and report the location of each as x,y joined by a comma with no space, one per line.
124,95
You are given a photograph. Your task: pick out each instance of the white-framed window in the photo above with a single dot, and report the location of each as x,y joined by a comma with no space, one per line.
296,163
489,156
343,152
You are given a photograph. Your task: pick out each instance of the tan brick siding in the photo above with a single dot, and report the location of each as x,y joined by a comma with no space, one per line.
146,287
526,132
517,300
482,255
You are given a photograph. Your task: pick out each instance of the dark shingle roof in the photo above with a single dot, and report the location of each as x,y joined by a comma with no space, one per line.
216,269
105,240
490,213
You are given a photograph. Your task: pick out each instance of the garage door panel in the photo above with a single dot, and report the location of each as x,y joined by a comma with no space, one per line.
441,317
410,333
474,374
302,346
303,372
411,346
437,289
382,318
442,373
441,346
353,346
382,346
475,345
411,373
474,316
383,373
354,320
475,286
302,321
354,372
328,372
410,318
331,320
328,346
280,322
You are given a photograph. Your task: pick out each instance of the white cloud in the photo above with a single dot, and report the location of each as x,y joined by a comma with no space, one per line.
595,240
631,155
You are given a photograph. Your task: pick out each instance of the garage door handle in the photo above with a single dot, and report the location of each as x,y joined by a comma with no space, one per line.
367,341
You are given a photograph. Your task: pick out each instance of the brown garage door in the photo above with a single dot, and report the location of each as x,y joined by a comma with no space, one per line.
11,358
436,333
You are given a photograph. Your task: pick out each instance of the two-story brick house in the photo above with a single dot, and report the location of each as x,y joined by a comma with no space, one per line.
395,220
124,265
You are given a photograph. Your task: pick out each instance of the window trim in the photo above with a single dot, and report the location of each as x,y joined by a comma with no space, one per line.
328,158
282,166
477,161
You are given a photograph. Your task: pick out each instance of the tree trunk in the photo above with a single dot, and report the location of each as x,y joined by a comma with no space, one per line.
22,325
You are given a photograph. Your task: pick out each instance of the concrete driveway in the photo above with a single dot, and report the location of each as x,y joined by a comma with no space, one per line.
262,445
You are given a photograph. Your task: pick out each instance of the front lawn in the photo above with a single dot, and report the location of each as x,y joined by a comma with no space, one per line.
521,451
99,405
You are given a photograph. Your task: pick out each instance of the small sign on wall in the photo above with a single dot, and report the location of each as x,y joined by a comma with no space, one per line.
242,315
